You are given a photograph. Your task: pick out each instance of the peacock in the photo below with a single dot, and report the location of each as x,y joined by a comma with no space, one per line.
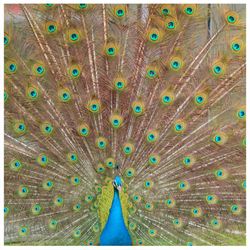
124,124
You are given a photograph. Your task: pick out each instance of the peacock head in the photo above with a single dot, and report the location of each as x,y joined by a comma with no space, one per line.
117,183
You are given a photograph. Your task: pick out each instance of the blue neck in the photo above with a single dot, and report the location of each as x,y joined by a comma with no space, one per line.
115,232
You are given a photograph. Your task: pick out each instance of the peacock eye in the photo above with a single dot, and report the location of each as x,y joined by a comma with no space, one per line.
189,11
231,19
75,72
166,99
52,28
170,25
6,40
178,127
21,127
40,70
199,99
6,96
236,46
175,64
165,11
74,37
119,85
151,74
111,51
12,67
154,37
83,6
217,138
217,69
120,12
137,109
241,114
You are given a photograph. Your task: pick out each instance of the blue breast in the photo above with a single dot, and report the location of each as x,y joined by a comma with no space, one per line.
115,232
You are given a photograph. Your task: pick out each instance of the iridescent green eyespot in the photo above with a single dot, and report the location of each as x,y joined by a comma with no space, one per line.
83,130
32,93
74,37
72,157
23,191
116,121
75,72
179,127
111,51
94,106
170,25
120,12
49,5
58,201
189,10
175,64
148,184
170,202
177,222
231,19
152,136
221,174
165,11
235,47
6,211
64,95
42,160
183,185
241,114
77,207
10,67
83,5
6,96
151,73
47,185
19,128
235,209
128,148
187,161
53,224
23,231
149,206
211,199
119,85
75,180
36,209
6,40
100,169
152,232
154,37
110,162
130,172
215,223
40,70
153,160
136,198
15,165
46,128
138,108
101,142
76,233
218,69
52,28
89,198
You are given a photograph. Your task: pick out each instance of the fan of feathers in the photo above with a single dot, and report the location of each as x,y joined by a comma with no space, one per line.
154,94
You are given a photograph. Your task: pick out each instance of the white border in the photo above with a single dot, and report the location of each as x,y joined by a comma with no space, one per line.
2,126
